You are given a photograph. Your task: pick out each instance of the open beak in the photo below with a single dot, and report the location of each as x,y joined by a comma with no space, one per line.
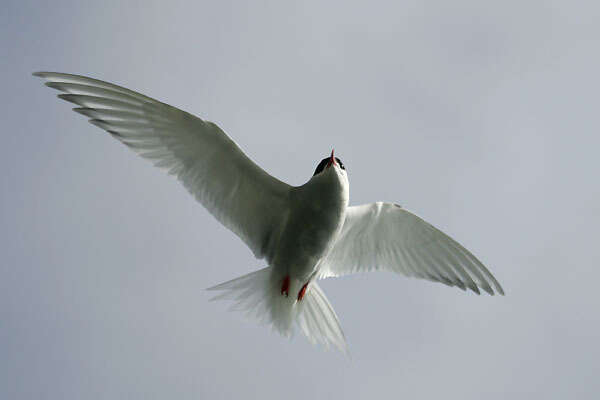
331,160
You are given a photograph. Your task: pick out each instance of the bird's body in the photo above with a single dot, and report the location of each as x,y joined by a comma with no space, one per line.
304,233
316,215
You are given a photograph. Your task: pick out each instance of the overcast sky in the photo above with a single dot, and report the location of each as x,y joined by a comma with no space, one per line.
481,118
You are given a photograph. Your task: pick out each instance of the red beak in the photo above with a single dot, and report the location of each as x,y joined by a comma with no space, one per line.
331,160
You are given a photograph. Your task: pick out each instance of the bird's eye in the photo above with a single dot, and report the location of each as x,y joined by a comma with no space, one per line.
340,163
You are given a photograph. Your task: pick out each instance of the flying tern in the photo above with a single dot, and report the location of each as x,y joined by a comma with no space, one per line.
304,233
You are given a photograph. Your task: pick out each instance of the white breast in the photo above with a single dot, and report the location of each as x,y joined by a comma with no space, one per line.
316,216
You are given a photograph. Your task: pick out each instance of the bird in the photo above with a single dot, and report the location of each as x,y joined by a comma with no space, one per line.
304,233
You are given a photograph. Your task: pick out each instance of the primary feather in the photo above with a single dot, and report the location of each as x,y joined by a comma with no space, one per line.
240,194
384,236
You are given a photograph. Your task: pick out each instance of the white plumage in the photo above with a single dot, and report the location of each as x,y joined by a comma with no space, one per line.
304,233
384,236
240,194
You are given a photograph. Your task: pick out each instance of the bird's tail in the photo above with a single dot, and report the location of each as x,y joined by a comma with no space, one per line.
259,295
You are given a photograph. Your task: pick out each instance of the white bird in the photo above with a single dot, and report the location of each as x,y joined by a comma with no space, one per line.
304,233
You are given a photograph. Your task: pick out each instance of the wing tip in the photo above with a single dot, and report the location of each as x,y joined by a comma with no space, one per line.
47,74
491,292
71,98
99,123
497,285
84,111
55,85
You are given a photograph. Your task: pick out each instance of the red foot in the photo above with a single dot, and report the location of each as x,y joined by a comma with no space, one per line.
302,291
285,287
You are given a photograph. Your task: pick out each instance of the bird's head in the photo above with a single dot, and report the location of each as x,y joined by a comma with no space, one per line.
330,178
330,164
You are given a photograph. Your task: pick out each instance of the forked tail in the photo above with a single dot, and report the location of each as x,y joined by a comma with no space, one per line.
258,294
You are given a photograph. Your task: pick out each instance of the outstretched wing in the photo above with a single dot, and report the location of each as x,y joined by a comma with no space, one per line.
384,236
241,195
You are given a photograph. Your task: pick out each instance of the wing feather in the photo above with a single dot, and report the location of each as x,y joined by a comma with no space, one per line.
384,236
209,164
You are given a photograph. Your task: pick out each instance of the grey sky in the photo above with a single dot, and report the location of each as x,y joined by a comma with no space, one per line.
482,118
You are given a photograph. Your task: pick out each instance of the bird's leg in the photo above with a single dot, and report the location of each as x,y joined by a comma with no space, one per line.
302,291
285,286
